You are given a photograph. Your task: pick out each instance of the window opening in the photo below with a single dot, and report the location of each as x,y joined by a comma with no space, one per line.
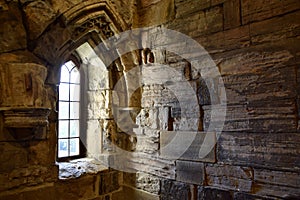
69,111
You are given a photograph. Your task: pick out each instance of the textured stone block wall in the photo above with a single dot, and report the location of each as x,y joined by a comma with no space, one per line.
255,45
28,117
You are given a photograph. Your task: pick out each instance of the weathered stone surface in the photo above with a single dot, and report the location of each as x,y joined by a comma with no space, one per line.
211,193
275,29
190,172
232,14
255,48
186,8
290,179
46,192
254,62
137,161
199,22
148,118
12,31
158,95
174,190
186,145
39,14
160,74
97,78
266,9
244,196
146,17
283,192
109,181
142,181
265,149
77,168
99,104
83,187
261,116
23,84
229,177
147,144
131,193
13,150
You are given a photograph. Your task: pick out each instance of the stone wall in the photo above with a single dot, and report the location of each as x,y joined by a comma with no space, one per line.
35,41
255,46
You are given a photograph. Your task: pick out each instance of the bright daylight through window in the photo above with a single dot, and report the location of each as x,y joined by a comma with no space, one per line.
69,111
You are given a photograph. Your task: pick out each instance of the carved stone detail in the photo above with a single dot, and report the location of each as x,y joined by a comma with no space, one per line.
26,117
99,23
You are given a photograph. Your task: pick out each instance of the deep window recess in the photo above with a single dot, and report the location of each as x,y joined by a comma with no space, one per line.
69,112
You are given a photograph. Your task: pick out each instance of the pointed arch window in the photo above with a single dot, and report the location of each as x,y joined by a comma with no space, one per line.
69,112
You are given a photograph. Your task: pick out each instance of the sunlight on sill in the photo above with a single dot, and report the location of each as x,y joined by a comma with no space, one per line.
78,167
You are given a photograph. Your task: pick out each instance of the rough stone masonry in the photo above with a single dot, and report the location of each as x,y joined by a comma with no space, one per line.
256,48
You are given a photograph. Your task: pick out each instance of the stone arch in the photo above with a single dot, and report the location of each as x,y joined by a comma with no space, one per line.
92,22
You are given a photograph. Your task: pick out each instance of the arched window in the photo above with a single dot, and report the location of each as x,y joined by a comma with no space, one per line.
69,112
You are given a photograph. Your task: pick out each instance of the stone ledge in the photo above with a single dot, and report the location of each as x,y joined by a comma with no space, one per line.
188,145
78,167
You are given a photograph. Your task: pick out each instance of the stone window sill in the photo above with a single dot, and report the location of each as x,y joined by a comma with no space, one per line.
78,167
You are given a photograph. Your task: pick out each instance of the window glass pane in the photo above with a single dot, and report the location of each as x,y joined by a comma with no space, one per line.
74,110
64,74
74,146
69,65
75,92
63,129
63,108
75,76
74,128
64,91
63,146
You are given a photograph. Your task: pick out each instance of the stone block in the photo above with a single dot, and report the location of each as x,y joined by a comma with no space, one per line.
131,193
164,118
98,78
15,151
203,92
143,181
232,14
147,144
212,193
266,9
82,187
92,138
253,62
148,117
264,116
187,124
187,145
276,191
12,31
214,19
289,179
186,8
152,164
39,15
174,190
149,16
229,177
41,153
245,196
190,172
262,149
160,74
23,84
109,182
275,29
